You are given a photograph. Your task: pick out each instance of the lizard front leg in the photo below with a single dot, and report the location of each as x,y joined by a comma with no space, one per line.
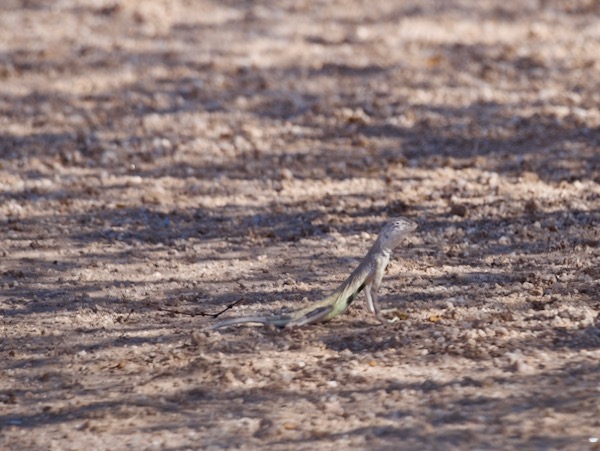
373,305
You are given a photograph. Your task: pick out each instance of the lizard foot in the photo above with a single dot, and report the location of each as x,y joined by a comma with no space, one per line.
384,320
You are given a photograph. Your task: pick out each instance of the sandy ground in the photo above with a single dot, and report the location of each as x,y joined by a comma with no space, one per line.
187,154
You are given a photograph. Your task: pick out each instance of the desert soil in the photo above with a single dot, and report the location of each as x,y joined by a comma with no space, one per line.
183,155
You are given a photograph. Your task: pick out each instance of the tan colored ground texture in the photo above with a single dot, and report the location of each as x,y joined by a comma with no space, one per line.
183,155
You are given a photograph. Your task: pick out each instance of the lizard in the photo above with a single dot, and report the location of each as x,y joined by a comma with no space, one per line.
367,276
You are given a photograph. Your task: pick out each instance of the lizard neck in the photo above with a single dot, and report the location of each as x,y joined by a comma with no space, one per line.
380,247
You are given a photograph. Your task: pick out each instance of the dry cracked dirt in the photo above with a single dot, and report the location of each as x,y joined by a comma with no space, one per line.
162,159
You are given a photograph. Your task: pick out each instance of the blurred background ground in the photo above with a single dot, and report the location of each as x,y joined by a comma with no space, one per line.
186,154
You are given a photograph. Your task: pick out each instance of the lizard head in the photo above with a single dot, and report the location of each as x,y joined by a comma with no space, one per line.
395,230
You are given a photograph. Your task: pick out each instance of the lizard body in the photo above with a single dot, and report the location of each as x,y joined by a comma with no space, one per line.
367,276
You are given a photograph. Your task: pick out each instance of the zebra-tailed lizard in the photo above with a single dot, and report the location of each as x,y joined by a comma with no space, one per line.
367,275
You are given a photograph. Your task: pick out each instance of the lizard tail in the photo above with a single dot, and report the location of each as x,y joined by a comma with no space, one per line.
273,320
314,316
